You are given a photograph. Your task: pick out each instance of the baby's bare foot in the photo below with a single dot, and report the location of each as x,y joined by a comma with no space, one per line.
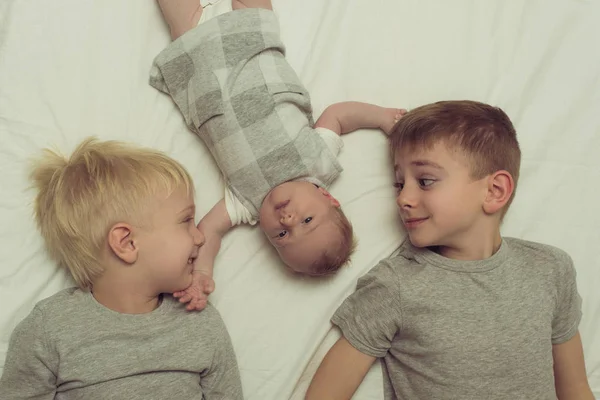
180,15
239,4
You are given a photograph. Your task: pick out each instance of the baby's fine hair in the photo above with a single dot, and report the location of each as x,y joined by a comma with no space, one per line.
102,183
340,251
484,134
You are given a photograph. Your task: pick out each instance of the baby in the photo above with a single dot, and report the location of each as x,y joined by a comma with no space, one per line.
230,80
121,220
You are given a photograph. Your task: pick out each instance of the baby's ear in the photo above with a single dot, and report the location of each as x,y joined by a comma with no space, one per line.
333,200
120,240
500,187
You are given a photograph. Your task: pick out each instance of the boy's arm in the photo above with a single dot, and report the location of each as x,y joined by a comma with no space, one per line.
28,370
214,226
349,116
340,373
570,378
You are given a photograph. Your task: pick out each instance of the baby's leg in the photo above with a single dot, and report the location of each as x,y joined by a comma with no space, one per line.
180,15
238,4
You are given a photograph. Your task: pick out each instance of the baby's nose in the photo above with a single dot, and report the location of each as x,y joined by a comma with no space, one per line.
287,217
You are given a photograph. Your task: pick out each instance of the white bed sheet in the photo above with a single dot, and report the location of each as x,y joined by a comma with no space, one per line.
73,68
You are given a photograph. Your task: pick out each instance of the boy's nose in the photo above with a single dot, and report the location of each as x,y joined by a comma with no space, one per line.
406,198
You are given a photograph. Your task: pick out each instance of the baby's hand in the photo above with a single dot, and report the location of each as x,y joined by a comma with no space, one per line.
391,116
239,4
196,295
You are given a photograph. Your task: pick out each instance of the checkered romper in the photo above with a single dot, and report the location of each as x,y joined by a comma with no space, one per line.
231,82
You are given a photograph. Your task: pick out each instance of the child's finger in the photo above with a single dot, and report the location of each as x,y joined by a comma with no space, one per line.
209,287
185,298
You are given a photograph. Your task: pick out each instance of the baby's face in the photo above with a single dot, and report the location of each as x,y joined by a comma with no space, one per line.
297,218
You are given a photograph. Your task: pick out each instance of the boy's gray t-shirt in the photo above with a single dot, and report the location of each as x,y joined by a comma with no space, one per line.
71,347
449,329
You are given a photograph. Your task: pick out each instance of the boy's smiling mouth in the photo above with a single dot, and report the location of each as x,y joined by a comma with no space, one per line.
414,222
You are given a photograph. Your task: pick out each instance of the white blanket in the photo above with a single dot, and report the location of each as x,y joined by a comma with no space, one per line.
71,68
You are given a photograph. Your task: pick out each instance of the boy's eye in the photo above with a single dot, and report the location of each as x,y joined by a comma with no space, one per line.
426,182
188,219
281,234
307,220
399,186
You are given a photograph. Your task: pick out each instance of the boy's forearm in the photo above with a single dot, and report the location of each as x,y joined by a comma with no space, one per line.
349,116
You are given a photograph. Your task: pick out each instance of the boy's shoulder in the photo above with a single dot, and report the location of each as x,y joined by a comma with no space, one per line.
537,252
61,301
400,266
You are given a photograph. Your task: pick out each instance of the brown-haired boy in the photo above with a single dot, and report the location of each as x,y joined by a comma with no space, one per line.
229,78
460,312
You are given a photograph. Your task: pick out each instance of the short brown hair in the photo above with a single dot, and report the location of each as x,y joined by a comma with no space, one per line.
80,197
482,132
337,255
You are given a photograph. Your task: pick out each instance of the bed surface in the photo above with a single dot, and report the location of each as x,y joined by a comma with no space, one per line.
71,69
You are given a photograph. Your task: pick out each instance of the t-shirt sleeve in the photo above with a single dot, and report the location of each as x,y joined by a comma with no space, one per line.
29,370
371,317
222,381
567,312
238,213
333,141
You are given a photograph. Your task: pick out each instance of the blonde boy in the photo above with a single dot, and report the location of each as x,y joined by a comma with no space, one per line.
121,220
460,312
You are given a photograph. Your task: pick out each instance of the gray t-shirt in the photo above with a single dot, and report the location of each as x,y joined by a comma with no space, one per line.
71,347
449,329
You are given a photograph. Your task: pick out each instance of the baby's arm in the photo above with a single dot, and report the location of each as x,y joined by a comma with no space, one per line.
214,226
28,370
349,116
340,373
570,379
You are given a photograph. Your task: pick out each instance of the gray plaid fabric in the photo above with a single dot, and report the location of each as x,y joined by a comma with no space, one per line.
231,82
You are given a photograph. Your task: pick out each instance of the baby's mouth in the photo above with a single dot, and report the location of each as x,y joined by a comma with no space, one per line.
281,204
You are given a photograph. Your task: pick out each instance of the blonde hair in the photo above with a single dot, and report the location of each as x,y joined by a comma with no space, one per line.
82,196
338,254
483,133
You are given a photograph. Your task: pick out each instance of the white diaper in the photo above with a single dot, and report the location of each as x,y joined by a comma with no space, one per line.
213,8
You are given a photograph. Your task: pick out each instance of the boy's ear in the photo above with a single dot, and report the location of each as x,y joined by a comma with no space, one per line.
500,186
333,200
120,240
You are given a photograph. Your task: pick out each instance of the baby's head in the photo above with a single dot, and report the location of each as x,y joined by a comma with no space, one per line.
455,161
307,227
114,204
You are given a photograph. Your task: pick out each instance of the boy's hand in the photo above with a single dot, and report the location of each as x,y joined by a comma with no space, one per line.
196,295
390,117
